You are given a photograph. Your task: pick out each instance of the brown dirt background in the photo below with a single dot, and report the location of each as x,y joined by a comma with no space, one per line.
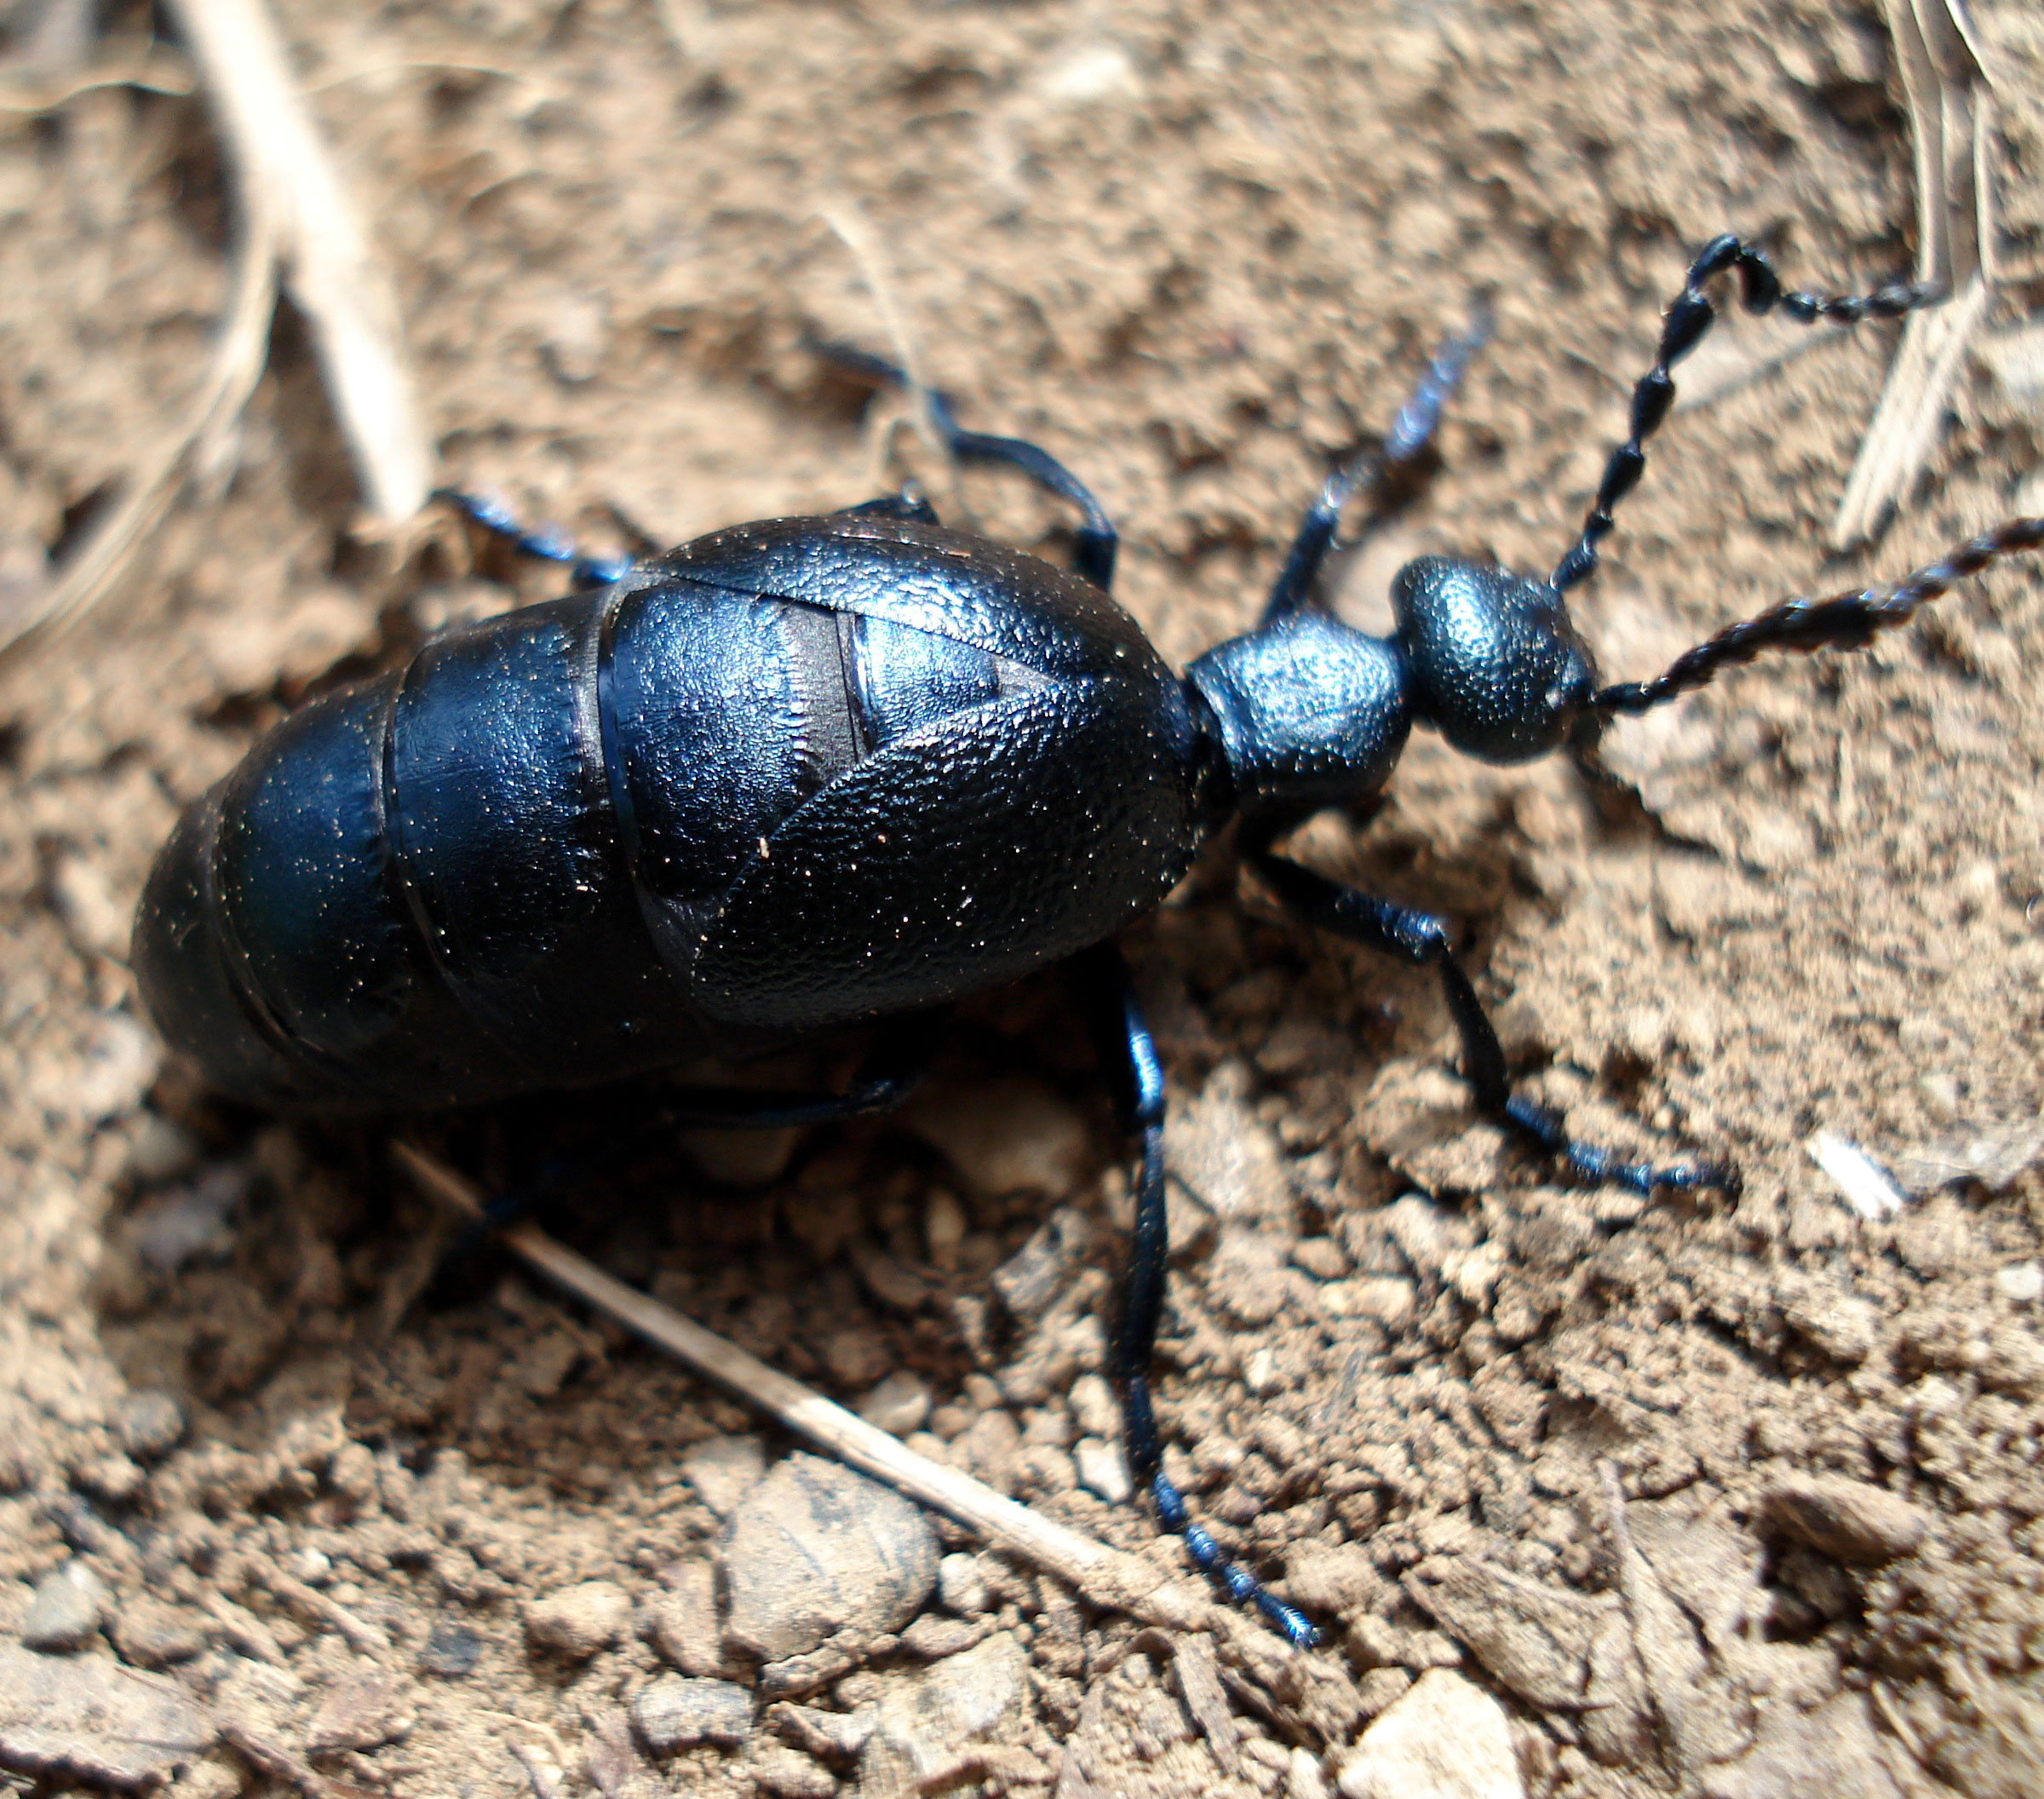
1195,251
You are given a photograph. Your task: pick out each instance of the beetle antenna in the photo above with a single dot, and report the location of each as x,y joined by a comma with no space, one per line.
1847,621
1682,327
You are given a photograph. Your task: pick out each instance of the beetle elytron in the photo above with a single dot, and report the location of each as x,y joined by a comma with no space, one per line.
819,772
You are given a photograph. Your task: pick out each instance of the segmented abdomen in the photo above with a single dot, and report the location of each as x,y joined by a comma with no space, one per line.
492,871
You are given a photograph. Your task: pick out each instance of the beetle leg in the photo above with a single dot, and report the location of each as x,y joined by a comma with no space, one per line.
492,516
1130,1052
1420,939
1410,433
903,1048
1095,541
902,1051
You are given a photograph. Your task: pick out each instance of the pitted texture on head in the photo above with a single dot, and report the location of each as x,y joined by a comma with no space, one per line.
1496,663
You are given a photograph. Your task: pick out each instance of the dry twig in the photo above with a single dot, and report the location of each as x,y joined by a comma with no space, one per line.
1950,120
344,291
238,352
855,231
293,218
1110,1579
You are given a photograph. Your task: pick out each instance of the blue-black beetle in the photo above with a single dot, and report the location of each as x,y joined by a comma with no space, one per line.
818,772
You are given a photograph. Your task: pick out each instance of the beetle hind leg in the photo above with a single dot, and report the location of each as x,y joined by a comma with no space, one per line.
1095,541
491,514
1130,1052
900,1057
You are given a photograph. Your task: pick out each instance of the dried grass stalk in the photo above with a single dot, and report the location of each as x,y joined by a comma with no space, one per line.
291,214
1950,121
344,291
1107,1577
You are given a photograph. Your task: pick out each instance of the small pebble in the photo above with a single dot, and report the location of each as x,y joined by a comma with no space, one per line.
1848,1521
183,1223
1939,1094
924,1721
2021,1282
673,1713
1093,1407
161,1152
1446,1739
857,1357
724,1469
1224,1154
114,1479
575,336
931,1638
681,1622
962,1585
1303,1778
792,1776
1031,1278
452,1651
109,1728
741,1157
1389,1299
313,1566
1008,1136
898,1405
65,1609
149,1423
579,1621
364,1711
1259,1372
829,1736
1321,1258
1102,1468
150,1633
818,1549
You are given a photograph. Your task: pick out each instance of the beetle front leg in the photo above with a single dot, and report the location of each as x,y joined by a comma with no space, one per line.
1411,431
1130,1052
1420,939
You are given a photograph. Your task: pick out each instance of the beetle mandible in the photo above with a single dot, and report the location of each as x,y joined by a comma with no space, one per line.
819,771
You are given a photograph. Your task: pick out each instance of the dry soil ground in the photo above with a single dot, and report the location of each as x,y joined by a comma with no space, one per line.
1197,251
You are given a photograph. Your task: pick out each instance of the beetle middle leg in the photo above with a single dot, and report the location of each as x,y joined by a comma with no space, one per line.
1130,1054
1421,939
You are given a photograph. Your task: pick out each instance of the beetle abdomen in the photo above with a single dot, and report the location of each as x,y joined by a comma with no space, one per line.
696,811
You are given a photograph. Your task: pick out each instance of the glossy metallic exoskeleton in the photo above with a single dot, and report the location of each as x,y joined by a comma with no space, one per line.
821,771
794,775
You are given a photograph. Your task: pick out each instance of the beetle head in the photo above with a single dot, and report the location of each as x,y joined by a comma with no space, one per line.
1494,659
